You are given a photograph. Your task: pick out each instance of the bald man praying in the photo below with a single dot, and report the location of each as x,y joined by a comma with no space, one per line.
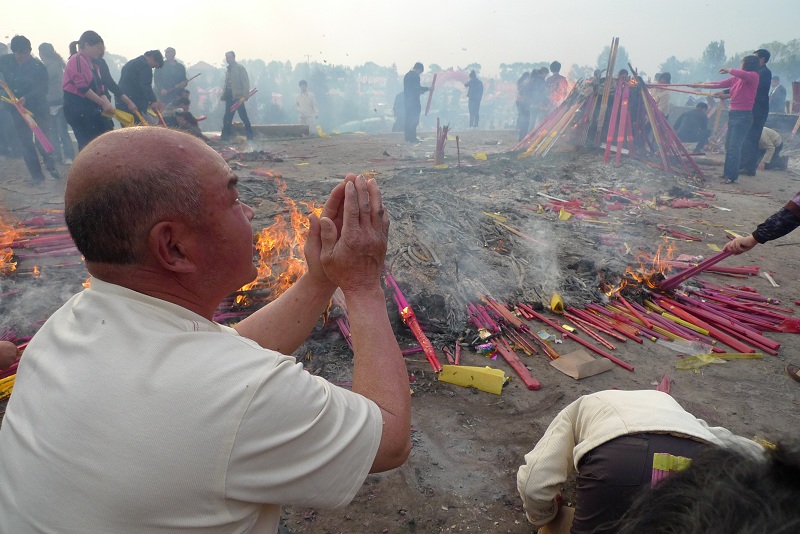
134,412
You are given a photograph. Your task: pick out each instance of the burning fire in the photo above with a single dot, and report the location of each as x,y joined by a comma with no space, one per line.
648,273
7,236
280,249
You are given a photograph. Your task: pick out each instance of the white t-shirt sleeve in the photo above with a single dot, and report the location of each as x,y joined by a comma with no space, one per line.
302,441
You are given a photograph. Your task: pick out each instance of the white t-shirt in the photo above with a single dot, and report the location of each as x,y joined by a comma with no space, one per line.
132,414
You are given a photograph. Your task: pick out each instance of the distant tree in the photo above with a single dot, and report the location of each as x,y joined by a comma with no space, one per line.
621,62
712,60
714,54
510,72
474,66
680,70
433,67
580,72
115,64
784,59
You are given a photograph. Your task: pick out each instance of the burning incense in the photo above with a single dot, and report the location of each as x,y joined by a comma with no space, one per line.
411,321
674,281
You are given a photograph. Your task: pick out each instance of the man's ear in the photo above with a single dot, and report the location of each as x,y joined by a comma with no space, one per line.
171,246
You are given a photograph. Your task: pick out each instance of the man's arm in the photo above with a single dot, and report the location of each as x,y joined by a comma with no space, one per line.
283,324
355,262
547,467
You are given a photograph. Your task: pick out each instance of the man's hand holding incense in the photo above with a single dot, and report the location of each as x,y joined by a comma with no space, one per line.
741,244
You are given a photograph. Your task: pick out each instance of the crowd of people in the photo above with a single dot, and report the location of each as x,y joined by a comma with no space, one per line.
116,423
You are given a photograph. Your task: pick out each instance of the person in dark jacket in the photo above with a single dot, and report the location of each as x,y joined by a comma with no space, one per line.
62,142
136,81
170,79
760,114
26,77
474,95
112,87
692,126
412,89
777,96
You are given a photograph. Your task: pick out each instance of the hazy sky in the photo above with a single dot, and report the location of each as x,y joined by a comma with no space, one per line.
446,32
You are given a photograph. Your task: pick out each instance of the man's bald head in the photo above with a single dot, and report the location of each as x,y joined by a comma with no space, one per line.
126,181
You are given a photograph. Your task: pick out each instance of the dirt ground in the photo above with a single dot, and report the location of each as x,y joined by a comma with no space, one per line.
467,444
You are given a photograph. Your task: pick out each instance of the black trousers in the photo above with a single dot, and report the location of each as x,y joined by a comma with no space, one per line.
411,123
85,117
25,135
227,119
750,147
611,475
474,112
775,157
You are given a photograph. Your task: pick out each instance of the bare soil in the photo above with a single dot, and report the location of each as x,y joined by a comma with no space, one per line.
444,252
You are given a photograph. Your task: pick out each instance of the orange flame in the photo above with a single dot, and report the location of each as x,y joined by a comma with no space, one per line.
647,273
280,248
7,236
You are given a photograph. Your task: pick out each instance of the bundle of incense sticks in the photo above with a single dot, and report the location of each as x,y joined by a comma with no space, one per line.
242,100
674,281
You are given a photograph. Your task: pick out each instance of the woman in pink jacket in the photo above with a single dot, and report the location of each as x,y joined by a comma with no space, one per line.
743,84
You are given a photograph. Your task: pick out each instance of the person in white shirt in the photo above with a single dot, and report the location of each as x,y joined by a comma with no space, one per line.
134,412
306,106
609,439
769,149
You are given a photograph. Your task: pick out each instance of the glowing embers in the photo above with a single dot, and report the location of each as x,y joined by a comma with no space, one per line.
7,236
649,272
280,250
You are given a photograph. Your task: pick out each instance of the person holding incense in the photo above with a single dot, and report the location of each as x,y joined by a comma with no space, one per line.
26,77
777,225
84,94
170,79
609,439
136,81
743,84
236,89
749,161
474,95
133,411
412,90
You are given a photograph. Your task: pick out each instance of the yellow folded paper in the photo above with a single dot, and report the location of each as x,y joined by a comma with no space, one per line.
482,378
124,118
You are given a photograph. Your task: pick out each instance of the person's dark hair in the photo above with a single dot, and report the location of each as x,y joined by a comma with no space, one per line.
89,38
665,77
302,83
73,48
48,51
776,78
156,56
723,491
20,43
419,65
111,224
702,105
622,72
763,54
182,101
750,63
555,67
